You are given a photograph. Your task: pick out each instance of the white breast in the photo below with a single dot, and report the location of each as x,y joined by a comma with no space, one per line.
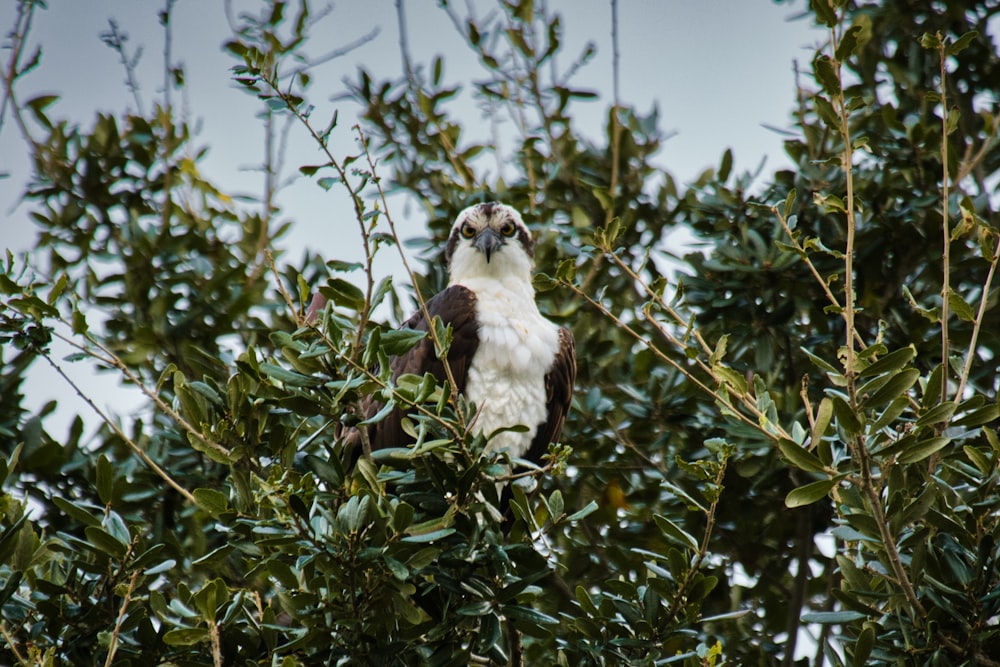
506,378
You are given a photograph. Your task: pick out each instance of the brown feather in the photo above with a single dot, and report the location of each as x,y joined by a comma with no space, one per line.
559,392
456,306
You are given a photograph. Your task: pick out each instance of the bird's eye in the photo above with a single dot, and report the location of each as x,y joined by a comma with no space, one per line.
468,232
507,229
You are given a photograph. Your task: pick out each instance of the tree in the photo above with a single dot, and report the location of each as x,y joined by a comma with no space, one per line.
794,435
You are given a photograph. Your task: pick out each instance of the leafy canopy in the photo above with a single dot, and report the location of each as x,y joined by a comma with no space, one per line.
787,445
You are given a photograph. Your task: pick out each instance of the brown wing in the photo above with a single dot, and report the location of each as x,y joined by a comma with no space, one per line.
559,391
456,306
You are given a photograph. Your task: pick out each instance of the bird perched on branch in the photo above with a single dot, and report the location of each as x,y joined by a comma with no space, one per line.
517,367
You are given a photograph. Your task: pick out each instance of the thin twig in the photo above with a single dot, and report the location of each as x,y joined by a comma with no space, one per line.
438,344
970,162
404,47
616,135
9,638
748,401
19,35
160,472
970,354
801,250
113,644
113,360
847,162
680,596
116,40
216,642
945,227
723,401
168,42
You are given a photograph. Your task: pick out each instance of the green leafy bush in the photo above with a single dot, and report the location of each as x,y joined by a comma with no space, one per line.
786,446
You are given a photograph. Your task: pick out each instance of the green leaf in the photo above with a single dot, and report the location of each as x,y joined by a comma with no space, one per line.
527,614
105,479
825,72
848,43
933,386
276,104
923,449
402,517
961,307
77,512
211,501
731,378
979,417
675,533
38,105
890,362
788,206
890,414
210,597
116,527
847,419
585,601
79,322
57,289
863,646
480,608
10,538
103,541
215,556
587,510
799,456
726,616
810,493
824,12
937,414
822,421
930,314
399,341
820,363
726,166
831,617
343,293
185,636
980,460
894,388
555,505
930,41
961,43
289,378
432,536
400,571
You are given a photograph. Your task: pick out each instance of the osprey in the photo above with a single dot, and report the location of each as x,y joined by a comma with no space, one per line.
517,367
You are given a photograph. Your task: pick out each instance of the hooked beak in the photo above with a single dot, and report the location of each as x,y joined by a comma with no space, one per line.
487,241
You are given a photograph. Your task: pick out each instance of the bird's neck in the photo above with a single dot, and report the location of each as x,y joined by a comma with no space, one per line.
486,286
511,274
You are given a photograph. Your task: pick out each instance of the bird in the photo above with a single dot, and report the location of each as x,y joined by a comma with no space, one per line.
517,367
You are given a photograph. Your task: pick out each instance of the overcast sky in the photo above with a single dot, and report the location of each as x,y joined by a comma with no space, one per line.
719,70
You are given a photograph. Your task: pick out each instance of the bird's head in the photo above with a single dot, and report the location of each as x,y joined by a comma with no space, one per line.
489,240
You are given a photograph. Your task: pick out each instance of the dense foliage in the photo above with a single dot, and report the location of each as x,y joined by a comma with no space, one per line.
790,442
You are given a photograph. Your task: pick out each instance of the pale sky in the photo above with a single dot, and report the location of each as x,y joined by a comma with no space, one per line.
717,69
